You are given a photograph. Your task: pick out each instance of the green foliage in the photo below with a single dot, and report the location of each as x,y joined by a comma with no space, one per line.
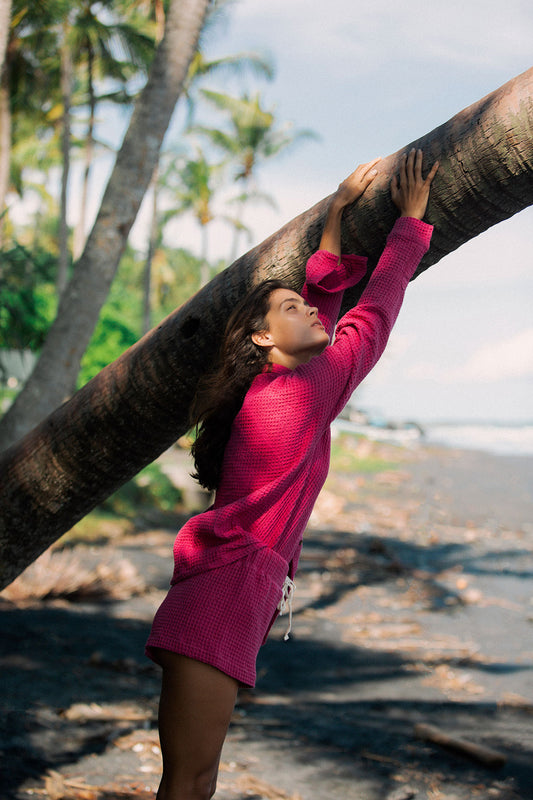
27,288
345,457
176,277
254,134
114,334
120,320
150,490
28,297
111,45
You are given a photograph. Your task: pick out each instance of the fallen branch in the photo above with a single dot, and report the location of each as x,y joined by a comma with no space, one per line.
485,755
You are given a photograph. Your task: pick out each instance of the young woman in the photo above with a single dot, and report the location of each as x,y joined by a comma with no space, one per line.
263,444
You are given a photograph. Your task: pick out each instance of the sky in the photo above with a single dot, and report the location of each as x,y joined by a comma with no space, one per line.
368,77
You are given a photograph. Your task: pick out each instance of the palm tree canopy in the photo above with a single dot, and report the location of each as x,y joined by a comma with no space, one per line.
120,46
253,134
193,183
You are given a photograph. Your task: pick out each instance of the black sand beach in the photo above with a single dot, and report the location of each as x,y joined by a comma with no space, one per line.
414,607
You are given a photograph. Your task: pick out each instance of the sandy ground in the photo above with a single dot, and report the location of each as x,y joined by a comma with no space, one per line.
413,606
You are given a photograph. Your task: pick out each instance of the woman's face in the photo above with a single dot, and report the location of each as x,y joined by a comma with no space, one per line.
294,334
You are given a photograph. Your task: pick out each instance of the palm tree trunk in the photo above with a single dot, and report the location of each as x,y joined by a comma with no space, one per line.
152,244
204,263
54,376
5,19
66,92
79,231
237,230
5,111
139,405
159,12
5,142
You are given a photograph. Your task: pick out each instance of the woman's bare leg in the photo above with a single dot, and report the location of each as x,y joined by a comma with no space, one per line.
195,709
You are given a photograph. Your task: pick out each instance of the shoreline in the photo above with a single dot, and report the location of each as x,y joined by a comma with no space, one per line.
486,437
468,485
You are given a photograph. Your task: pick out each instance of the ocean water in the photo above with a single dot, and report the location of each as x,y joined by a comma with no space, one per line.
496,438
492,438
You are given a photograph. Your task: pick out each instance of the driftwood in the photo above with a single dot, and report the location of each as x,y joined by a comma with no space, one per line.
484,755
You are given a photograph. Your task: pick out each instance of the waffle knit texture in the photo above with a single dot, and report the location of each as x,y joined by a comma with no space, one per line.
230,562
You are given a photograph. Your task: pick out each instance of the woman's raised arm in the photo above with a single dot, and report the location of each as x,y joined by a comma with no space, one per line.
348,192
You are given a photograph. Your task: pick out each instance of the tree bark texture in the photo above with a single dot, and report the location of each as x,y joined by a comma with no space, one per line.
79,230
54,376
67,76
139,405
5,136
5,19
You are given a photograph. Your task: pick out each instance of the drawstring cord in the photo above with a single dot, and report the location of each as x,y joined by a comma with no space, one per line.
286,601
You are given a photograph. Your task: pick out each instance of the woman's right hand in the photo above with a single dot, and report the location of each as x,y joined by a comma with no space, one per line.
355,184
411,194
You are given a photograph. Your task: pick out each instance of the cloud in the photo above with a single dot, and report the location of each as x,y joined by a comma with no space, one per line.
506,360
378,31
499,255
512,358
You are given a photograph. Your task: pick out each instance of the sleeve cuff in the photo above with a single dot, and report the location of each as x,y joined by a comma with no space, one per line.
413,229
325,273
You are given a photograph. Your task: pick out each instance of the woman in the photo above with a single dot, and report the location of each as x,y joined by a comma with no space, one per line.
263,444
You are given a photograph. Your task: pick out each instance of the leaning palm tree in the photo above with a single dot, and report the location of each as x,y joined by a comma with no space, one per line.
67,84
252,138
55,373
139,405
5,16
119,49
155,9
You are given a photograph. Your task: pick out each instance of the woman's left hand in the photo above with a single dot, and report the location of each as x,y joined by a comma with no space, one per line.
355,184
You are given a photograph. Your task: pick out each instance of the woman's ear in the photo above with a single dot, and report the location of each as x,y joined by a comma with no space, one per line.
262,339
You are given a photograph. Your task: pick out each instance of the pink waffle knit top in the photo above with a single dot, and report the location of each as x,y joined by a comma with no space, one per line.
277,457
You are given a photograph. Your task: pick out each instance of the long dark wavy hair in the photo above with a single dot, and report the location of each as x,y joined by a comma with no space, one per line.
220,395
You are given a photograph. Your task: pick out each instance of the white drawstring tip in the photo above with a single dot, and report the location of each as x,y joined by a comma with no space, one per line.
286,601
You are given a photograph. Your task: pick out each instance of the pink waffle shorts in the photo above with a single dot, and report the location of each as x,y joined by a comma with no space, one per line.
223,616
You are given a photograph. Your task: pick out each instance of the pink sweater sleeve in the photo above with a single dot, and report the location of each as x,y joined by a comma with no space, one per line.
325,281
321,388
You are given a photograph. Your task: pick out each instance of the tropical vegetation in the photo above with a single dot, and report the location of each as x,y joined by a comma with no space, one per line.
82,450
72,73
